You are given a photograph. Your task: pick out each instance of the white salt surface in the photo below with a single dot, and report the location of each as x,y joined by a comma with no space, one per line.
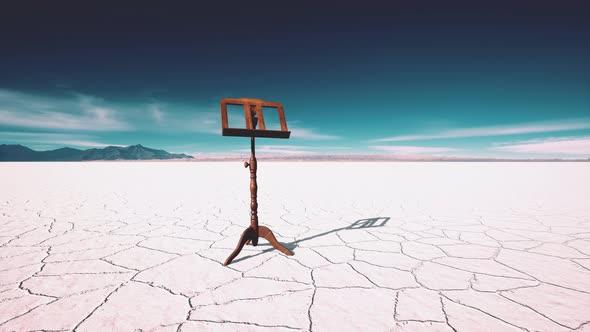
139,246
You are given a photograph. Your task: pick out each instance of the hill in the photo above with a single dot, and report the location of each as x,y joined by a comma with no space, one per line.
132,152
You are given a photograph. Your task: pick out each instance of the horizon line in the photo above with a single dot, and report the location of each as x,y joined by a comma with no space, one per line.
332,157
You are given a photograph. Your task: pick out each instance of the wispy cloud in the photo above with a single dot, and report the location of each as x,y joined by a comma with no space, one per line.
157,113
205,121
525,128
73,112
281,149
16,135
80,112
35,138
412,150
568,146
87,144
96,119
186,119
310,134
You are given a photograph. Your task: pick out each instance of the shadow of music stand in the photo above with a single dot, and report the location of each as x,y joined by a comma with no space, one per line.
254,118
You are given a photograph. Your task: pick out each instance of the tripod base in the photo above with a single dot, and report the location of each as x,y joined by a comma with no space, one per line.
249,235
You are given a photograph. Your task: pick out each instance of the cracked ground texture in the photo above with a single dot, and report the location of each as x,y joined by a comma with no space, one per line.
378,247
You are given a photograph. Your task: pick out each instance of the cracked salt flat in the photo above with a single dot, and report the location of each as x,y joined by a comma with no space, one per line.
378,247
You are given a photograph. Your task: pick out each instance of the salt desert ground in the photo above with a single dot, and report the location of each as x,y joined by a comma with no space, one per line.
139,246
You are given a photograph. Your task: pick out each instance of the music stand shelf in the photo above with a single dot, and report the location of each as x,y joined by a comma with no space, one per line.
255,133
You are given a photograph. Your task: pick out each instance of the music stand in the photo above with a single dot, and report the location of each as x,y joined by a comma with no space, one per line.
254,118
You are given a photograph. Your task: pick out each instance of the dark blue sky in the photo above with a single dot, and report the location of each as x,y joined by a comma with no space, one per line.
469,78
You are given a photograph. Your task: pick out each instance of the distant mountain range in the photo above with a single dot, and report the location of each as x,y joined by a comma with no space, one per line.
132,152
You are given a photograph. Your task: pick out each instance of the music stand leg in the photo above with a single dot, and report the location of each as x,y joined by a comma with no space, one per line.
252,233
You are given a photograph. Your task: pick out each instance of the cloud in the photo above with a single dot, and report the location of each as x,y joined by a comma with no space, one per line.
207,122
78,140
157,113
411,150
526,128
72,112
88,144
280,149
569,146
309,133
182,118
96,119
36,135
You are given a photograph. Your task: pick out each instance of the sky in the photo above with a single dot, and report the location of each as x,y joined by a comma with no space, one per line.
500,79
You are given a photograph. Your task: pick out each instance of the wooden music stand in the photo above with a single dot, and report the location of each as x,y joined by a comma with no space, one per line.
254,118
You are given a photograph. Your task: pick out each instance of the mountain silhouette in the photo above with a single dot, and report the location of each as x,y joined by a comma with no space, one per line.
15,152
